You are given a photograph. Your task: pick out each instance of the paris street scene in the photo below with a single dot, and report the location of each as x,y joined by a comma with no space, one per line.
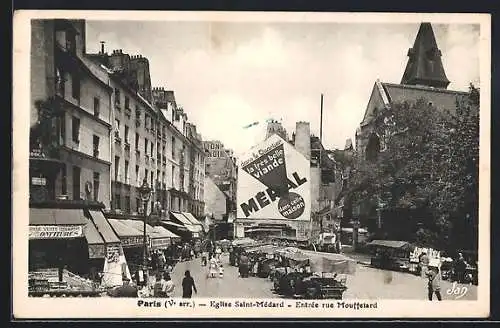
253,160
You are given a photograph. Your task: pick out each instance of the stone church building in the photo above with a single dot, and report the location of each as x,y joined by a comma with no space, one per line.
423,78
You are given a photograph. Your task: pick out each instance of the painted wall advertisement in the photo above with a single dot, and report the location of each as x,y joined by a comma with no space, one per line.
274,183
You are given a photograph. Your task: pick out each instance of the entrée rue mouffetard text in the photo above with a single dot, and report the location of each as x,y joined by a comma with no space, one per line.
261,304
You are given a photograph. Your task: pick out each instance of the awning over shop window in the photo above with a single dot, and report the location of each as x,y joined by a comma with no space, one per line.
172,224
94,241
197,224
103,226
56,216
167,232
129,236
187,223
158,239
182,219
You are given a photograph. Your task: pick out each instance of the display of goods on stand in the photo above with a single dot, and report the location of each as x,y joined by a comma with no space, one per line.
312,275
46,282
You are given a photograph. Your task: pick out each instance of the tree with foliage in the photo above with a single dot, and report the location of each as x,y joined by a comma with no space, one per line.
429,163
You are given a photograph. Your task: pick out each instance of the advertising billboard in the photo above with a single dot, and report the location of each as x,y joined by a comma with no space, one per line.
274,182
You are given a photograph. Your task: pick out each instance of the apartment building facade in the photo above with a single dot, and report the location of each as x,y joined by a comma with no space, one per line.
183,150
71,111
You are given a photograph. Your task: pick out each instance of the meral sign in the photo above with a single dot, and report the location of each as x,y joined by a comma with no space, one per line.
55,231
274,182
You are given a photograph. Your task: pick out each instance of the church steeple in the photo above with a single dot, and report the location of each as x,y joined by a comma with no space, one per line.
424,63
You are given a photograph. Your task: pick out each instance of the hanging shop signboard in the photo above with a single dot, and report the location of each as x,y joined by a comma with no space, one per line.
132,241
159,243
55,231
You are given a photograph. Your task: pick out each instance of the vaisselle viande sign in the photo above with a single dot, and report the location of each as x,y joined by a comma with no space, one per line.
274,182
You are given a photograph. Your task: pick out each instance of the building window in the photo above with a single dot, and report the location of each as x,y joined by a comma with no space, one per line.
75,129
117,201
137,178
117,167
127,204
117,97
62,129
126,134
138,204
173,173
146,175
96,146
146,120
126,173
151,153
145,146
127,102
96,186
137,141
152,178
117,129
96,106
173,148
76,182
64,180
75,86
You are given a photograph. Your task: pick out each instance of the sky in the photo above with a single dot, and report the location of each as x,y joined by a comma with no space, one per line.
227,75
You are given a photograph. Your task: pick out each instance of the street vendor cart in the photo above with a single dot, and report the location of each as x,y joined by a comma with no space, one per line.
312,275
390,254
329,276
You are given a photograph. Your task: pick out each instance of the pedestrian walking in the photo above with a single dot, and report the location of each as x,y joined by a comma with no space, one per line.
218,252
434,283
424,263
168,286
460,268
188,285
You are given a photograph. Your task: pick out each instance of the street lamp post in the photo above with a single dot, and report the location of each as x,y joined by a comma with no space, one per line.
145,194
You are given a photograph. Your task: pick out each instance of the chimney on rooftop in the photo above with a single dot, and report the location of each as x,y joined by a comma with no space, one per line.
102,47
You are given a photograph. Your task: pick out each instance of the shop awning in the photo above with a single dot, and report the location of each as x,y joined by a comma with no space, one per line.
56,216
129,236
186,222
122,229
181,218
158,239
166,232
197,224
172,224
191,218
94,241
104,227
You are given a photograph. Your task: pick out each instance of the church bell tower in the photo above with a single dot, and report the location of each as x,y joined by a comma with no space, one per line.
424,61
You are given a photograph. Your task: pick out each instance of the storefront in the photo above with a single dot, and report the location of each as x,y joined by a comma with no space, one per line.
193,231
73,240
57,240
158,237
132,243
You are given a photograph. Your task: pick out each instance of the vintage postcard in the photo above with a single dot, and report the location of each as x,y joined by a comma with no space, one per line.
251,164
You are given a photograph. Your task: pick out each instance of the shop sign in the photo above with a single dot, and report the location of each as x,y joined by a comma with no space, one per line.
96,251
160,242
113,253
132,241
55,232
